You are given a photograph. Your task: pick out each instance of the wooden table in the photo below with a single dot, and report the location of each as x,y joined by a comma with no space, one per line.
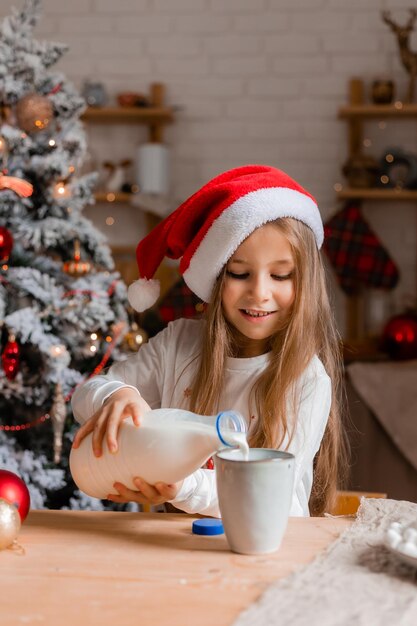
107,568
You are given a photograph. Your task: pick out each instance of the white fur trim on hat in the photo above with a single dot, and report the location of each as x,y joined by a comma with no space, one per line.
237,222
143,293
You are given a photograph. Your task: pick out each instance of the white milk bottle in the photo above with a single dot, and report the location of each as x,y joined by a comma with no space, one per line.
169,445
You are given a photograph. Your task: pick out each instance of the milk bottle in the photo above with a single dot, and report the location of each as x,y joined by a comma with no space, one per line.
169,445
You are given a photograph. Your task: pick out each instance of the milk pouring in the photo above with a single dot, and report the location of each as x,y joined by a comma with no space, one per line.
169,445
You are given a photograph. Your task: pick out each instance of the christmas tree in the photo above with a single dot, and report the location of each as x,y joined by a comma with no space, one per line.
62,309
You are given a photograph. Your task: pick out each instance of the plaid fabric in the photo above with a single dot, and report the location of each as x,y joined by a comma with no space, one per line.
178,302
356,253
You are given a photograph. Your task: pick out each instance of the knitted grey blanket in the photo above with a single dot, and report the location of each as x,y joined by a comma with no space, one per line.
356,581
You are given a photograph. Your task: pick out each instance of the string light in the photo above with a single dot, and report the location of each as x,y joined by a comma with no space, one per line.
338,186
57,350
61,190
111,197
26,425
52,142
110,220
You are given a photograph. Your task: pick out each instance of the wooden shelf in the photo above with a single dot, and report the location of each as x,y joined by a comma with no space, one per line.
376,111
135,115
404,195
356,113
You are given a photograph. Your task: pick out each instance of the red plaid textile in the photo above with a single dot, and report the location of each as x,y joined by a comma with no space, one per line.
356,253
178,302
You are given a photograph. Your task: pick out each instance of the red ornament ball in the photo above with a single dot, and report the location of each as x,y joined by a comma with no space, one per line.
14,491
6,244
399,337
10,358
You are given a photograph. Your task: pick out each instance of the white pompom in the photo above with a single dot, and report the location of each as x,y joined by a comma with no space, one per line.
143,293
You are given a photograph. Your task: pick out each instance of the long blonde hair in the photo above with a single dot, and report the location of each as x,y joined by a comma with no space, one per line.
309,331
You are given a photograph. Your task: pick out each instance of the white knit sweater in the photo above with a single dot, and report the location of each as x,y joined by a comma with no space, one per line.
162,371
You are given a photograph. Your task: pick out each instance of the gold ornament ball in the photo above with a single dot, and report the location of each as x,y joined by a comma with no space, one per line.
135,338
34,113
9,523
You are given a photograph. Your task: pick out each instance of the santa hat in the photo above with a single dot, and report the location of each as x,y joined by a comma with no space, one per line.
206,229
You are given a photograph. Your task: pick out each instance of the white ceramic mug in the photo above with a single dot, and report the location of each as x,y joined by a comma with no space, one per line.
254,497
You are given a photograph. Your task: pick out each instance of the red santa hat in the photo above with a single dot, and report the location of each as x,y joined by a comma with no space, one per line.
206,229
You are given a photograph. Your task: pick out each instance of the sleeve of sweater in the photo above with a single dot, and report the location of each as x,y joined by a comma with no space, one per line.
198,494
143,371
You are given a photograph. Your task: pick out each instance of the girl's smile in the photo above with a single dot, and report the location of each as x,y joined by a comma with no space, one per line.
258,291
256,315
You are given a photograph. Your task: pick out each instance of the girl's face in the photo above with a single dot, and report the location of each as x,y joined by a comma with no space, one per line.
258,290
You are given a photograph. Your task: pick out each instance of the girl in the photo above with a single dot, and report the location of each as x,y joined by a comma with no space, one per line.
249,245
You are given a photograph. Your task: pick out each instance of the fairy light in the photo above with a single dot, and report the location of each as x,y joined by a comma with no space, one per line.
111,197
389,158
52,143
338,186
398,105
26,425
109,220
384,179
61,190
94,336
93,349
71,169
382,125
367,143
57,350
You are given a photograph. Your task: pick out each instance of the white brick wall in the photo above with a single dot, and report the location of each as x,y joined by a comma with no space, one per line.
255,80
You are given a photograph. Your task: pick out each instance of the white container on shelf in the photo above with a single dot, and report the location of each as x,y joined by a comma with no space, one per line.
152,169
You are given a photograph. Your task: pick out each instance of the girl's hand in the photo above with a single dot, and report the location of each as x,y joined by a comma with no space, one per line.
146,494
125,402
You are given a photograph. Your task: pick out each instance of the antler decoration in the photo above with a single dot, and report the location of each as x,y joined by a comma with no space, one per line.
408,58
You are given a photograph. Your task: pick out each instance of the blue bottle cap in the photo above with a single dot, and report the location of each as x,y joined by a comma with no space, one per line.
208,526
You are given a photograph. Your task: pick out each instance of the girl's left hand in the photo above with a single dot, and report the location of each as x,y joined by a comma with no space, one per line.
146,493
